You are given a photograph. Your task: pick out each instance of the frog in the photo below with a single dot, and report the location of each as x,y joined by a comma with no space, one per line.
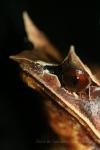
70,90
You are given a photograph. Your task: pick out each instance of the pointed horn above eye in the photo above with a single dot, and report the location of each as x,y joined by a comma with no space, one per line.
72,49
38,38
32,31
73,59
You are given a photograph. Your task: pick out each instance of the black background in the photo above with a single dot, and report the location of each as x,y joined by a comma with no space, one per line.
21,122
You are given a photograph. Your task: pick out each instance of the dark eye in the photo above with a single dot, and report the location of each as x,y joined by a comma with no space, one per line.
75,79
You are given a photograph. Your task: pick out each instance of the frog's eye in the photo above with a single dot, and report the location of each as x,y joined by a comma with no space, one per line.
75,79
